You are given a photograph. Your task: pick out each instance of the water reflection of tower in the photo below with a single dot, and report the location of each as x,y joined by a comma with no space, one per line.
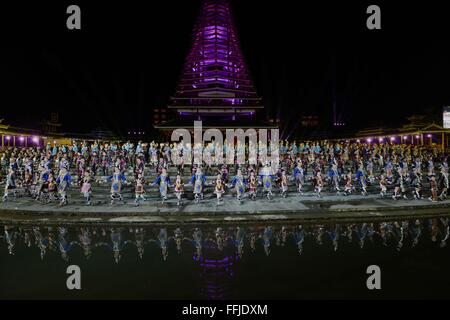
216,271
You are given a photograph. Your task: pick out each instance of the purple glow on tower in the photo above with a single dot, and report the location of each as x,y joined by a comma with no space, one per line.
215,74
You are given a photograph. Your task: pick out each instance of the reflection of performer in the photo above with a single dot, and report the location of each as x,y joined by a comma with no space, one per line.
140,241
116,239
197,240
163,239
63,245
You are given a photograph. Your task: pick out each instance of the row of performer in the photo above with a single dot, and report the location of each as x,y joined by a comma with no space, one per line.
51,187
342,168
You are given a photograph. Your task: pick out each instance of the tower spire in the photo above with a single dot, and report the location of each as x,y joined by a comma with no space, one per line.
215,80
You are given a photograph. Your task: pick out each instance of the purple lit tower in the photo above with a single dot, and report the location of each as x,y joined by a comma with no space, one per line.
215,85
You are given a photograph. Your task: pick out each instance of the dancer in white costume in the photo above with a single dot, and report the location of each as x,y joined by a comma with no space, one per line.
163,181
238,183
198,180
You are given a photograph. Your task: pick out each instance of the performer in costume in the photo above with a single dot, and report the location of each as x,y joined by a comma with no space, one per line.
42,182
389,174
252,185
117,179
224,173
444,180
399,185
104,164
238,183
163,181
284,184
299,176
29,166
369,170
219,189
178,189
64,163
81,165
198,180
162,165
434,189
418,165
383,186
27,183
430,166
416,183
10,185
52,188
361,178
153,155
318,183
139,190
64,179
139,168
86,187
179,150
348,183
266,177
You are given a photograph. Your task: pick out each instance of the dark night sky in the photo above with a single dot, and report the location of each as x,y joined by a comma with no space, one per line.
127,58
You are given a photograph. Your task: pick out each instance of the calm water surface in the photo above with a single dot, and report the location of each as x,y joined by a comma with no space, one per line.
227,262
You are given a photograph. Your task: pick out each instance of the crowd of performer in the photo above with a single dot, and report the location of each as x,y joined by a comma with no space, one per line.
397,171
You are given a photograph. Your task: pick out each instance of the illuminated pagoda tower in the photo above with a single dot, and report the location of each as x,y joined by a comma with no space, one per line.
215,86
